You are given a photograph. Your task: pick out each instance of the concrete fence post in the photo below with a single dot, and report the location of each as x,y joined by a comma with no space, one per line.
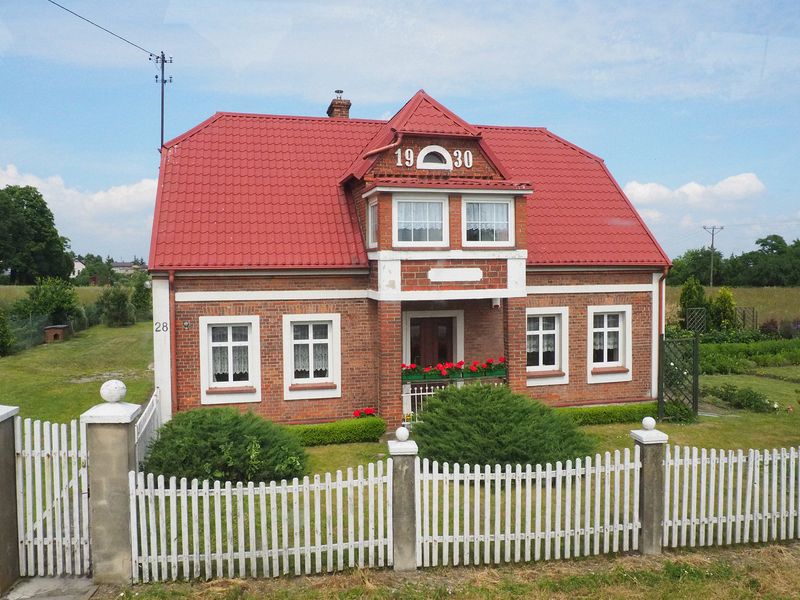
112,453
404,513
9,542
651,444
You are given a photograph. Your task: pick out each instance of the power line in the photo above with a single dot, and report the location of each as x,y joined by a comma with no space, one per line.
127,41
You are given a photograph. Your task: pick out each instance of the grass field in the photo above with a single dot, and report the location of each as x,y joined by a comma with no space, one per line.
11,293
742,572
779,303
58,382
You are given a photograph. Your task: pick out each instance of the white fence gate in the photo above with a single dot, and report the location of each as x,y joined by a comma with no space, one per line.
482,515
52,498
182,529
718,497
147,426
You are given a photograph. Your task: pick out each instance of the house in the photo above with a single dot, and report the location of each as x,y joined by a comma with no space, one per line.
77,267
125,268
297,262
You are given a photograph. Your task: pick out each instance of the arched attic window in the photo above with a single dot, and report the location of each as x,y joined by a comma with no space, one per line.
434,158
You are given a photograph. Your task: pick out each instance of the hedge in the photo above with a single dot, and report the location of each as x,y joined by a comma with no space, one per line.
741,358
616,413
346,431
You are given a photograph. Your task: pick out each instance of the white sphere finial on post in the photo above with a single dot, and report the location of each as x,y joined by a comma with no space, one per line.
401,434
113,390
648,423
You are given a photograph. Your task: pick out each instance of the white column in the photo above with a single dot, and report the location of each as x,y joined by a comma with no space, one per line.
162,351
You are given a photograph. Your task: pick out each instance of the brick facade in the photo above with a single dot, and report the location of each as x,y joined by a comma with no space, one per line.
386,164
414,274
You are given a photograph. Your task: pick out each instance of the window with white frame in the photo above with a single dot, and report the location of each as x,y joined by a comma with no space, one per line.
487,222
230,359
312,356
609,345
311,351
543,342
372,224
420,222
434,158
607,338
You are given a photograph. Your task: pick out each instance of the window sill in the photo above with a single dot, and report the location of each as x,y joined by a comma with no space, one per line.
298,387
545,374
242,389
609,370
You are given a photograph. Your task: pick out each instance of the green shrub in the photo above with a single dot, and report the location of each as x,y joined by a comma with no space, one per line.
787,330
487,424
116,306
6,337
51,297
733,336
221,443
692,296
141,297
347,431
741,358
722,310
742,398
615,413
678,412
94,315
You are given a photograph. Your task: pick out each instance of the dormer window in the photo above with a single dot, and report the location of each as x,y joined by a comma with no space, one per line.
434,158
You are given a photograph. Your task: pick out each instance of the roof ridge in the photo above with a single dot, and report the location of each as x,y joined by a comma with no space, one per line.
300,117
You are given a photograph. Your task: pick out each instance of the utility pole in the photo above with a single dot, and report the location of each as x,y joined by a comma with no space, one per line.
161,60
712,229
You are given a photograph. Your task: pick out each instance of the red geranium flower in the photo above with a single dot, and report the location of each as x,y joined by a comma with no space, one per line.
475,362
356,413
412,366
484,366
403,365
369,411
489,361
427,369
473,368
460,364
502,359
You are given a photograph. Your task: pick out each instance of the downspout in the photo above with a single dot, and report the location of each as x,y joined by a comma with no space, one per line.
391,146
173,366
661,307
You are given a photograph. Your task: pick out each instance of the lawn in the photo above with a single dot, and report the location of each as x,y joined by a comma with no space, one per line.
57,382
11,293
779,303
712,573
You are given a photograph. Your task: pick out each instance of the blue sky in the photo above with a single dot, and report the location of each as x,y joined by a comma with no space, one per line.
694,106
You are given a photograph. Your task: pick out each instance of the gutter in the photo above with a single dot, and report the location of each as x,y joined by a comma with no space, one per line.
391,146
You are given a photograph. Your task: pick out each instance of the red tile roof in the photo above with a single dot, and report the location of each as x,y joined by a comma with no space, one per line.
262,191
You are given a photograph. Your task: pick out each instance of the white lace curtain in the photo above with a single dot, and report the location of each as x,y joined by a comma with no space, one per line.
612,341
548,343
301,357
220,360
320,357
240,362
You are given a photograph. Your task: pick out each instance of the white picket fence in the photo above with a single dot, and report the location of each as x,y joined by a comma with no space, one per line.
718,497
204,529
147,426
52,498
482,515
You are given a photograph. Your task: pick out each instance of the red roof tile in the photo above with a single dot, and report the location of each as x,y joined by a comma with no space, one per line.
259,191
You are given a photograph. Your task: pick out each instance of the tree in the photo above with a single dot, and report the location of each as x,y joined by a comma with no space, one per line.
30,246
116,306
696,263
723,310
692,296
51,297
97,272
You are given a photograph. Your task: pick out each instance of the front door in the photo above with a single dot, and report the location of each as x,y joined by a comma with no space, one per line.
432,340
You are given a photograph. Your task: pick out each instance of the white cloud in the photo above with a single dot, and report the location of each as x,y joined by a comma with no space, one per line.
113,221
723,194
383,50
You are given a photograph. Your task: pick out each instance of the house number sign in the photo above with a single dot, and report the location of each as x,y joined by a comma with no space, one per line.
461,158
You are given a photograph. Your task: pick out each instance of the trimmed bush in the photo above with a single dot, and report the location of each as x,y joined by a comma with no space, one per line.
740,358
604,415
221,443
487,424
346,431
742,398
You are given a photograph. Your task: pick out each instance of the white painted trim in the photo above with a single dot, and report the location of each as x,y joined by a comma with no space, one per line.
421,314
443,190
242,295
112,413
389,277
655,331
448,160
430,198
563,344
599,288
515,274
509,201
162,352
253,355
386,293
446,274
370,242
447,254
626,339
651,436
334,355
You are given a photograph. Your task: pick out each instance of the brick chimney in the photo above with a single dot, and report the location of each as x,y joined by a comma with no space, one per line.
339,107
